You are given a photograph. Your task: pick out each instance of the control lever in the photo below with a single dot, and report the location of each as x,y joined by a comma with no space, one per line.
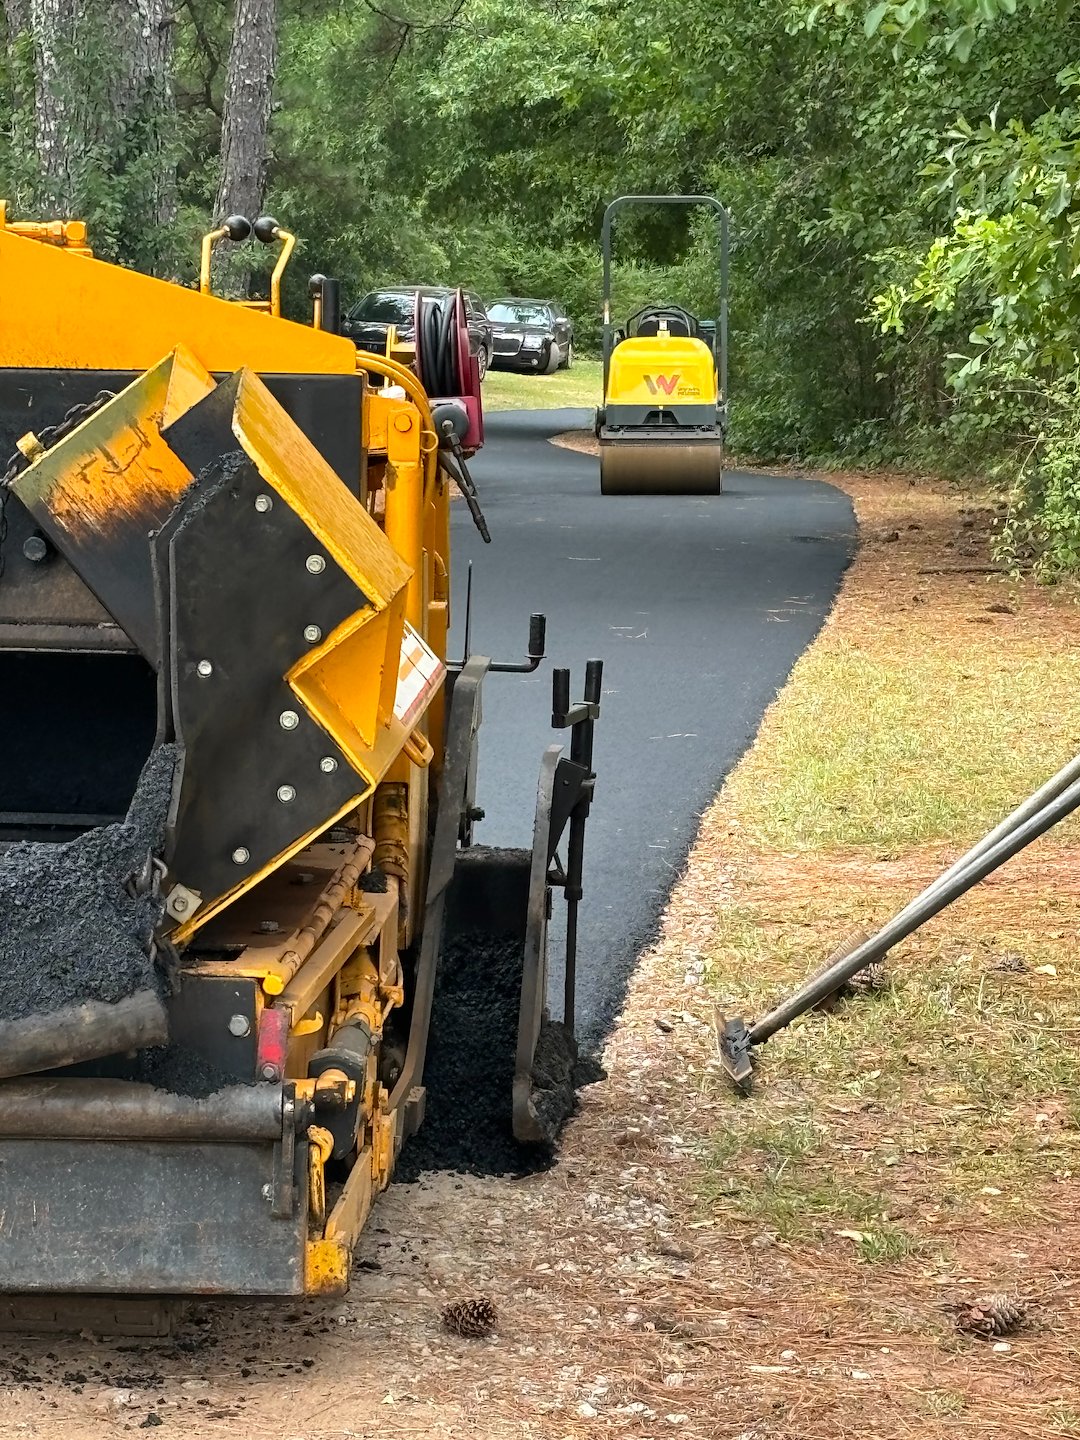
563,714
535,652
460,473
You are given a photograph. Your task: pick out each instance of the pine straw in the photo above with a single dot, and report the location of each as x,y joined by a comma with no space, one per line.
583,441
922,1143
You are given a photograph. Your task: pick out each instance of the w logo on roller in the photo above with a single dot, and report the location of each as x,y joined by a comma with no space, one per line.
666,383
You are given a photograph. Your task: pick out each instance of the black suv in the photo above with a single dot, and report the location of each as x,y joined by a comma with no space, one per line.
367,322
531,335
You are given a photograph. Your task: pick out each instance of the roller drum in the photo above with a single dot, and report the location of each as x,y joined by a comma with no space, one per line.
661,467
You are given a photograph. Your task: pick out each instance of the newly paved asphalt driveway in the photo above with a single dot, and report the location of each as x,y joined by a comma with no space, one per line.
698,607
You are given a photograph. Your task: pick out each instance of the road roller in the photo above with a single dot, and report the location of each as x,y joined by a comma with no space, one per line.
664,415
247,930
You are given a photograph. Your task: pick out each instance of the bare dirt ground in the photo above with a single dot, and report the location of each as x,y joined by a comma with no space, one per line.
695,1265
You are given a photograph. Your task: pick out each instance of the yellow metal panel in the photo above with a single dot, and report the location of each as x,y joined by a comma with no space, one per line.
189,382
326,1268
347,682
66,311
404,518
662,370
377,413
346,1220
287,459
115,469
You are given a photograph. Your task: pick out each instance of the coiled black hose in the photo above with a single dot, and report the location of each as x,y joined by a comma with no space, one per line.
438,346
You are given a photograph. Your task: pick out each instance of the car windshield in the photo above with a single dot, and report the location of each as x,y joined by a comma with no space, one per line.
513,314
385,307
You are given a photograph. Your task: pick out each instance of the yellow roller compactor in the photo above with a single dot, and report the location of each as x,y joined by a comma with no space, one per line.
238,879
661,427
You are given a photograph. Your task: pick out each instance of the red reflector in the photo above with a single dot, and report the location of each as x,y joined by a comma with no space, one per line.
273,1044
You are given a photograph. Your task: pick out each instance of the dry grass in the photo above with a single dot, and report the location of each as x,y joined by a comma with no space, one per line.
923,1140
584,441
931,703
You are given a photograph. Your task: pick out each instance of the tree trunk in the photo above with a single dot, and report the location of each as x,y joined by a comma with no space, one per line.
60,139
249,85
143,102
17,18
103,118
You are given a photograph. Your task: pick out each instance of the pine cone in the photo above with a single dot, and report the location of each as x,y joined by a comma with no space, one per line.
990,1315
863,982
866,982
471,1318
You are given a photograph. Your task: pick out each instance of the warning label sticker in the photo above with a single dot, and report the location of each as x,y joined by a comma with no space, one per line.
420,674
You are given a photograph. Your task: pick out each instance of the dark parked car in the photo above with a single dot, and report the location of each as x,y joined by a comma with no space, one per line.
367,322
531,335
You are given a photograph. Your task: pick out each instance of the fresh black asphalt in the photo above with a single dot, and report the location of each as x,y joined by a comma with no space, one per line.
698,607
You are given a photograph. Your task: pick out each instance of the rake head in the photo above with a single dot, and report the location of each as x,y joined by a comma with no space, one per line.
735,1054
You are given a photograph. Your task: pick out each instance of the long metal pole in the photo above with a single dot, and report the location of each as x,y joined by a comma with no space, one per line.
1031,806
605,245
923,908
722,314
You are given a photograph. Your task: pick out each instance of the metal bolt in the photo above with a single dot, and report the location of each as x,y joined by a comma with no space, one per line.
180,903
312,634
328,764
263,503
239,1025
316,564
36,548
288,719
241,856
286,793
269,927
204,668
269,1072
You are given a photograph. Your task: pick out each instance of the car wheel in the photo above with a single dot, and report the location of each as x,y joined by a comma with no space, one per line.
568,360
552,360
483,360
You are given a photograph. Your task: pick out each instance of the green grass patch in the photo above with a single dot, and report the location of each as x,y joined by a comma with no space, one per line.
942,1404
579,386
896,747
775,1174
955,1082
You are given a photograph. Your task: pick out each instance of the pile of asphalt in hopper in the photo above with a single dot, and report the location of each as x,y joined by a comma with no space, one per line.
469,1073
69,930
